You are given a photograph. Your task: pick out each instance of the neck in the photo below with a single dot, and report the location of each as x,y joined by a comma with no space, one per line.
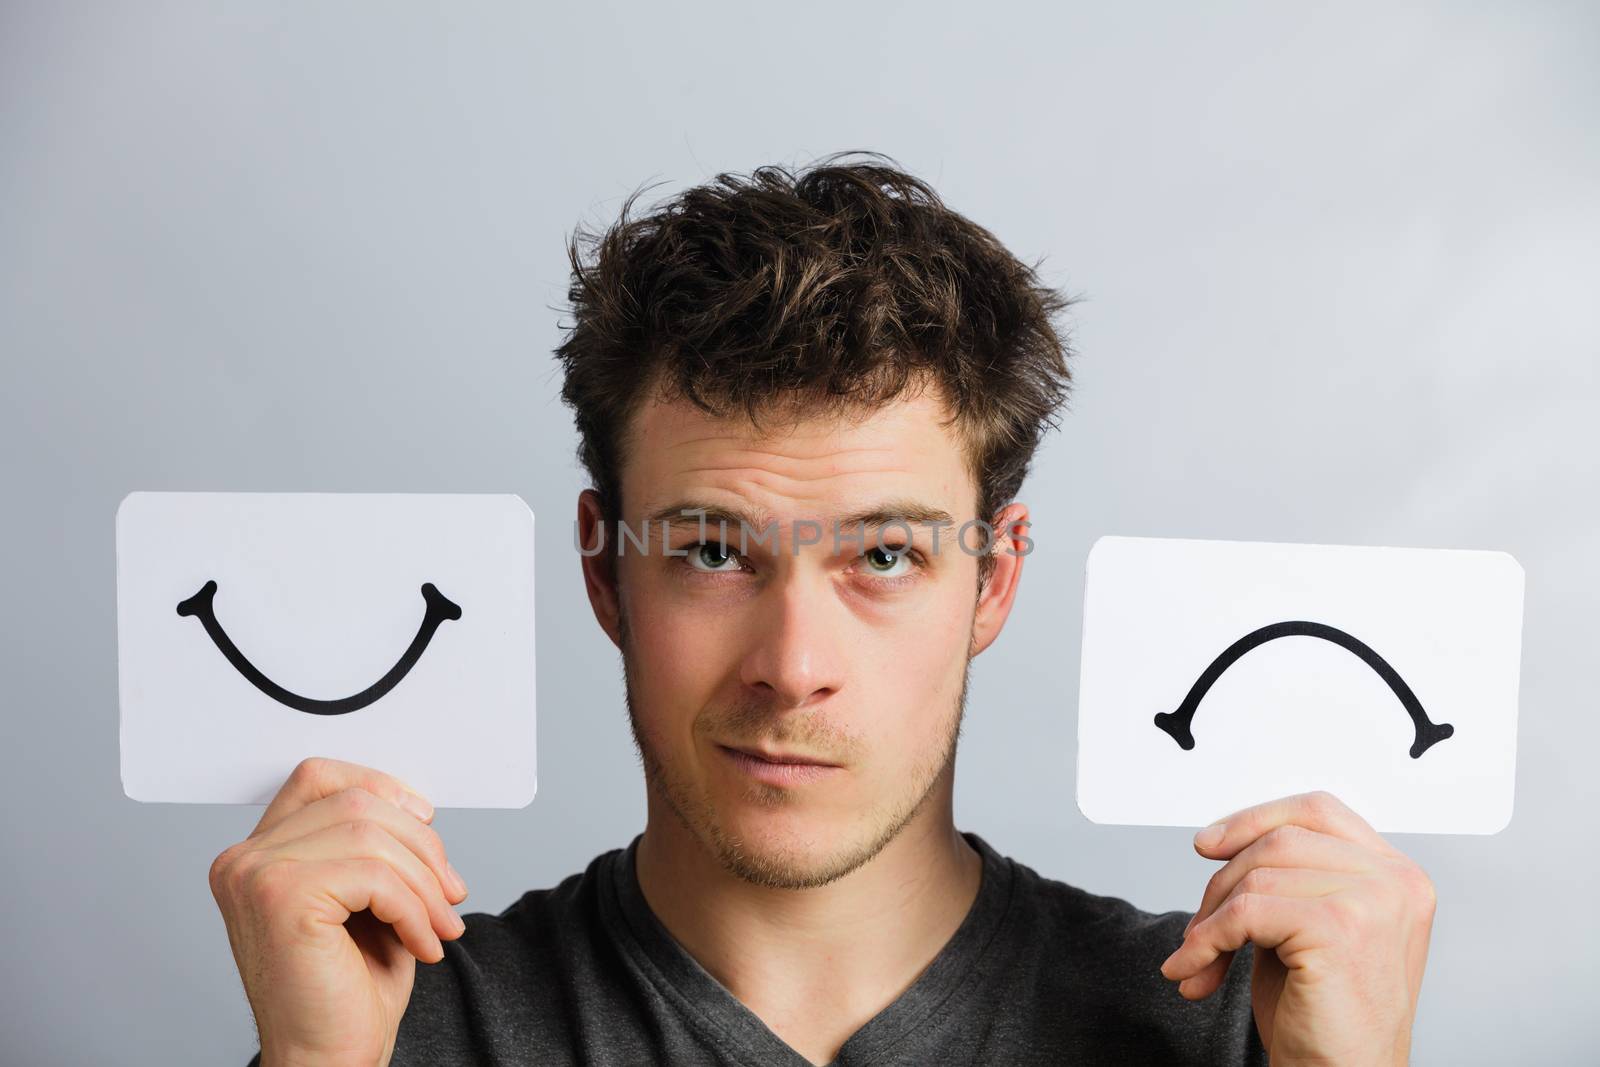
815,964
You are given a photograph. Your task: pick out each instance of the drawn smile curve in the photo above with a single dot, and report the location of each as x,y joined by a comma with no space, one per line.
439,609
1177,723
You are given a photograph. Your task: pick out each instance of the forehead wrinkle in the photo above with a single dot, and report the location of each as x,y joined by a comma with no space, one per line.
811,467
748,443
763,472
754,488
754,480
745,454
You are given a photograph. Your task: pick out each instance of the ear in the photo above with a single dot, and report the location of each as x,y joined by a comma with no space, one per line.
599,565
1010,544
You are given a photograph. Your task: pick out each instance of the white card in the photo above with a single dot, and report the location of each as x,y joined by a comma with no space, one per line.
1221,674
392,630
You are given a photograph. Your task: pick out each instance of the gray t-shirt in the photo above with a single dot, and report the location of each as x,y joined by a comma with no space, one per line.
1038,972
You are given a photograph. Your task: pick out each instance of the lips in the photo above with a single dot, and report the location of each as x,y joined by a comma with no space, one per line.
778,768
791,758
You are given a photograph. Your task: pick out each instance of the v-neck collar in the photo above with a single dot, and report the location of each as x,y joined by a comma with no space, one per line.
682,980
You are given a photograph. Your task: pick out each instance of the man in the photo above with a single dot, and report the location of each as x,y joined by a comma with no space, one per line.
797,395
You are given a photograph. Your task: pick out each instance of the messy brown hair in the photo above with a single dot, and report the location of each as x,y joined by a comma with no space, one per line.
840,285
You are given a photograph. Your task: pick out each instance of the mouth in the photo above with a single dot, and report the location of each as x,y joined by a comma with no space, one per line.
778,768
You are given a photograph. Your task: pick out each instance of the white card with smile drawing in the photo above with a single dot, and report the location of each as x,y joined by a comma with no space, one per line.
1220,674
393,630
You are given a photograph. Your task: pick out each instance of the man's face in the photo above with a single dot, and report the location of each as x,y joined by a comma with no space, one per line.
845,653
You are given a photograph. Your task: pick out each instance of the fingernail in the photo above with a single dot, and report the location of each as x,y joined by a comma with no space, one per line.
455,876
416,805
461,924
1210,837
1190,926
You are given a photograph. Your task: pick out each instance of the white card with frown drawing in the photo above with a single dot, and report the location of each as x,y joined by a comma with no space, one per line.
393,630
1221,674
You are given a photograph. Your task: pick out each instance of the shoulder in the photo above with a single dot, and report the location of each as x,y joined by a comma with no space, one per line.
512,975
533,914
1100,956
1075,914
536,928
1083,916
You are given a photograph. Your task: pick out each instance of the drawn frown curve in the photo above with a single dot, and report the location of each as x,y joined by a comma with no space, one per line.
439,609
1177,723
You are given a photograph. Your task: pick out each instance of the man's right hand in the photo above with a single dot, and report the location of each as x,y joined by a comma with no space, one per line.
331,900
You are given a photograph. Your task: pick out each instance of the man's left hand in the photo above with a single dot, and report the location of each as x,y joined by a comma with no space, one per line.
1340,920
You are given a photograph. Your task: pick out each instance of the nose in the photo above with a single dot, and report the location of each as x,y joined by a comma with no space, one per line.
795,655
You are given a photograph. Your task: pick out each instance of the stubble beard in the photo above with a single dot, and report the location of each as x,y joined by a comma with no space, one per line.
786,868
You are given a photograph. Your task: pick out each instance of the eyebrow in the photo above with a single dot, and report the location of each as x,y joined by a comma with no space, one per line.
910,511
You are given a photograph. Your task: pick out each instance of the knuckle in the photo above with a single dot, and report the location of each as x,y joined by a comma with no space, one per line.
1247,823
224,861
304,924
1419,889
355,802
236,878
1256,880
311,771
266,884
1243,906
364,833
1281,839
1322,802
433,845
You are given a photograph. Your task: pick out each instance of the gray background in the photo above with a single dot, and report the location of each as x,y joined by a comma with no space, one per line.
1339,271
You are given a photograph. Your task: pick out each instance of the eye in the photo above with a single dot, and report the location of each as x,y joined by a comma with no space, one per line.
886,562
711,556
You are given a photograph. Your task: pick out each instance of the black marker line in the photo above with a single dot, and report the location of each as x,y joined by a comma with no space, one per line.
440,608
1177,723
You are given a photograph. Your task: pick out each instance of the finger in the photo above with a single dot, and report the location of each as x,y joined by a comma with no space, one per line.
318,777
349,885
378,939
357,804
1208,979
1286,846
365,839
1268,921
1320,811
1274,881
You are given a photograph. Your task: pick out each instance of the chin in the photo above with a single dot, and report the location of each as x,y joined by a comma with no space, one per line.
779,862
788,847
